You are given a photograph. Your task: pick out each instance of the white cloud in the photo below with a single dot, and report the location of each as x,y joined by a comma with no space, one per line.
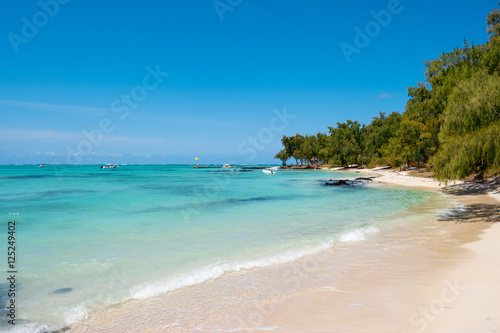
54,107
384,95
22,134
51,136
49,153
179,120
133,140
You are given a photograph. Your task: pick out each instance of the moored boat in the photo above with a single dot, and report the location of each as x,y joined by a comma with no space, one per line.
109,166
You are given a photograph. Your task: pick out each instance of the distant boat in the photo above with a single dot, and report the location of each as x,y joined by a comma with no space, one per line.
42,165
109,166
228,166
269,172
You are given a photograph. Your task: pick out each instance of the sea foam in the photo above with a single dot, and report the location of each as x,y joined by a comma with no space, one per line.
358,234
75,314
219,268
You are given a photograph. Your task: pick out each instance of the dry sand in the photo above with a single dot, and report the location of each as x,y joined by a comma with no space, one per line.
423,276
400,178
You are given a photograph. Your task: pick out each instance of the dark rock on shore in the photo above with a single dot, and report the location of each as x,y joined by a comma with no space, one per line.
348,182
367,179
301,167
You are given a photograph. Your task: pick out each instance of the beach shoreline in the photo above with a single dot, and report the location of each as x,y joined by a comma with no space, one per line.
399,289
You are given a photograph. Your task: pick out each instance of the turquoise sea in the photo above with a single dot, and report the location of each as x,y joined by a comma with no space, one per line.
87,237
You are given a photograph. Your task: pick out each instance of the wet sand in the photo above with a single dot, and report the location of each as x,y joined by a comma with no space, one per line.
421,275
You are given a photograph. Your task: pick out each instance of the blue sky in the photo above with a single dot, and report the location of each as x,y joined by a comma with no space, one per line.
241,73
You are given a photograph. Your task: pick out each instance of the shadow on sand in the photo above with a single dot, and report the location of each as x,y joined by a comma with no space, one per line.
472,188
478,212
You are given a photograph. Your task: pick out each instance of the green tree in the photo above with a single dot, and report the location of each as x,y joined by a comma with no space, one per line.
281,155
347,143
492,54
493,24
404,147
323,142
310,148
470,121
292,145
377,135
287,146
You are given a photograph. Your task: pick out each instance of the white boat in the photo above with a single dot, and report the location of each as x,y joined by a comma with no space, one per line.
109,166
228,166
269,172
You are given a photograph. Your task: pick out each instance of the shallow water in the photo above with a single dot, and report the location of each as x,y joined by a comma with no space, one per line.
88,238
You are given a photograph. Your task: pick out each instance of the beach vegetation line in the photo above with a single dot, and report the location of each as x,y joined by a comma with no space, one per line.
451,121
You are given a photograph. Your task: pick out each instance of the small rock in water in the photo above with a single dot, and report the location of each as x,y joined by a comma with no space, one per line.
340,182
62,291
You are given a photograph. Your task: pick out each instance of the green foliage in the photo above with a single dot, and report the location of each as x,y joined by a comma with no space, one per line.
281,155
310,148
303,149
378,135
406,145
323,147
493,24
473,104
347,143
292,146
470,123
492,55
476,153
